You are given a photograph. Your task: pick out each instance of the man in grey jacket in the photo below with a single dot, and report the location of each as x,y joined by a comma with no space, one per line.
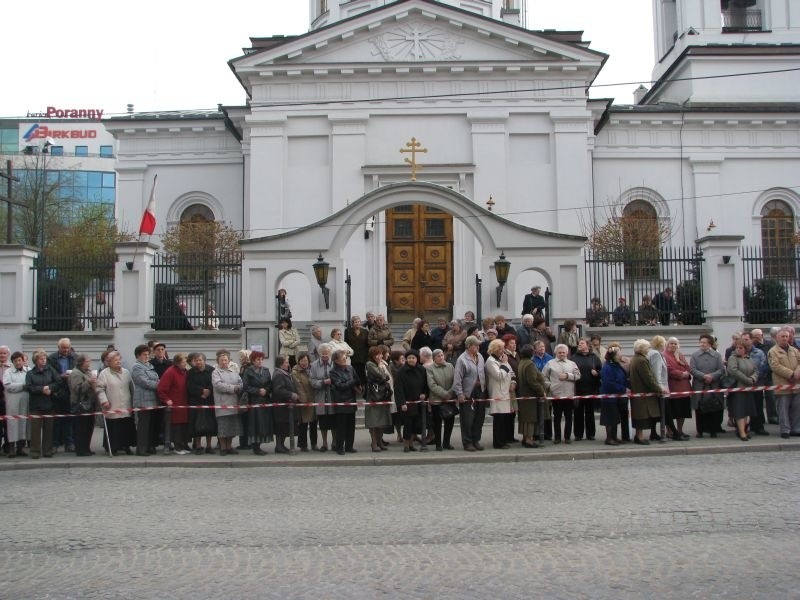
145,383
469,385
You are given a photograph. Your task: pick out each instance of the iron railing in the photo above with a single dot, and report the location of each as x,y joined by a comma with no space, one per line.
771,286
611,275
197,291
71,294
735,20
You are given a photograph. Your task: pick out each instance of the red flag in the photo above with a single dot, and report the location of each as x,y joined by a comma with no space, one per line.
148,225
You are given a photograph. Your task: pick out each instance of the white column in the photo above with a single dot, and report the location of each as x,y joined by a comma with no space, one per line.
348,156
573,178
709,205
267,174
722,284
489,151
16,292
133,292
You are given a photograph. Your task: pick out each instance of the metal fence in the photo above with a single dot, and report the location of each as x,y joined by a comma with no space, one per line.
771,286
611,275
195,291
71,294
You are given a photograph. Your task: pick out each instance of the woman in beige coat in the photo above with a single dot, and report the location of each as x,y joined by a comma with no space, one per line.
644,410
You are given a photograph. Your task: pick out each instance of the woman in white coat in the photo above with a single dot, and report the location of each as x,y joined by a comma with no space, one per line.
17,430
501,383
227,386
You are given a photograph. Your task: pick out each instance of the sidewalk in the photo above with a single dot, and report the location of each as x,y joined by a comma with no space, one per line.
584,450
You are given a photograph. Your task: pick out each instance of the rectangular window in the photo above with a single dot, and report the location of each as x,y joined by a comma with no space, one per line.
107,151
109,180
56,150
403,228
434,228
81,150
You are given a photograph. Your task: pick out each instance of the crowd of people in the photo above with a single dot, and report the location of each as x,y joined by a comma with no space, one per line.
535,385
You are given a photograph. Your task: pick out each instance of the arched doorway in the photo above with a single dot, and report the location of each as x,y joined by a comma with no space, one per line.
419,262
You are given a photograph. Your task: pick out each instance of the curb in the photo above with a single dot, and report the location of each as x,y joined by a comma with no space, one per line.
103,462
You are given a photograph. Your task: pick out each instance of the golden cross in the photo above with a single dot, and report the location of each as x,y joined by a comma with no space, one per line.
413,147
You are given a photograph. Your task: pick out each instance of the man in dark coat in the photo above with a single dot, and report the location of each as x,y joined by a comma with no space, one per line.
665,304
533,303
63,361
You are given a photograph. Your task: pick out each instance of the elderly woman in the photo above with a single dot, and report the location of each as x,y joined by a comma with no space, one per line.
337,343
377,415
307,429
453,341
501,383
284,397
200,392
410,390
257,383
588,385
380,334
345,388
357,337
83,401
172,394
658,365
227,384
678,408
289,339
742,404
707,369
422,337
145,395
644,409
613,380
532,405
42,382
440,375
469,386
560,374
320,377
115,393
17,430
569,335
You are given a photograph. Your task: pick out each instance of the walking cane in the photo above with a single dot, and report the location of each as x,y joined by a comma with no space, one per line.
108,437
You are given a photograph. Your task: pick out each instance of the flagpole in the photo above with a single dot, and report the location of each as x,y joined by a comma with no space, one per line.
148,222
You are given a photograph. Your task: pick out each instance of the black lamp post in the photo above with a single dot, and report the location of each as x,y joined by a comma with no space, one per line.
321,273
501,268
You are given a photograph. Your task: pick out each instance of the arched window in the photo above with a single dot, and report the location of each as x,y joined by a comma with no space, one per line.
641,236
197,213
777,243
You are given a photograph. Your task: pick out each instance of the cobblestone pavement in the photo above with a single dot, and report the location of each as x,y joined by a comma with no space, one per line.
676,527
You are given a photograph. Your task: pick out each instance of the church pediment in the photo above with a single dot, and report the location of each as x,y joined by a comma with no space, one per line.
412,33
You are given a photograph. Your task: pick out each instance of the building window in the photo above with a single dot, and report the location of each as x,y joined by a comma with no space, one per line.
9,140
56,150
641,236
107,151
197,213
777,240
741,15
81,150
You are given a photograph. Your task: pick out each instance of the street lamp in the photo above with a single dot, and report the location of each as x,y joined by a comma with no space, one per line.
501,268
48,141
321,273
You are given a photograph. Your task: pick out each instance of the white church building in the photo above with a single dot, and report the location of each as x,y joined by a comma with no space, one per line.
510,156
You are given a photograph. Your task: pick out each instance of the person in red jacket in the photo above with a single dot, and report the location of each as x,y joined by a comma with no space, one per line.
172,394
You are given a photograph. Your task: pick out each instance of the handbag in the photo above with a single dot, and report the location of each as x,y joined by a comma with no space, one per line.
709,403
377,391
448,410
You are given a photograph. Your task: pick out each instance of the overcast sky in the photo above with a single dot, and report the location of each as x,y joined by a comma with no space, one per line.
172,54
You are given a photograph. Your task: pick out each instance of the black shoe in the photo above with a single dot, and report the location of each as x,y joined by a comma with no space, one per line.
304,449
773,420
612,442
567,441
259,452
323,448
233,451
209,450
69,448
761,432
281,450
406,449
340,452
713,434
467,448
654,437
556,441
641,442
785,436
448,447
478,447
351,450
198,451
439,448
128,451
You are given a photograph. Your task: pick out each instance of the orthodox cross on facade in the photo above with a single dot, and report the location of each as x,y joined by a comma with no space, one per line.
413,147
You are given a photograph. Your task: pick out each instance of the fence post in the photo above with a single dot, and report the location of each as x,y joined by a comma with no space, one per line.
722,284
17,294
133,292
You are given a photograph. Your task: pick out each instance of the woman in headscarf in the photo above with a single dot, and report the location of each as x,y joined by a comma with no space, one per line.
257,382
227,385
410,390
644,409
307,429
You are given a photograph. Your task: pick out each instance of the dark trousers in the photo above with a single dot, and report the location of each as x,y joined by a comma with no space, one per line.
62,428
771,405
244,441
500,428
83,428
438,422
306,432
510,433
624,419
565,408
41,435
758,421
584,419
472,415
121,434
144,430
345,430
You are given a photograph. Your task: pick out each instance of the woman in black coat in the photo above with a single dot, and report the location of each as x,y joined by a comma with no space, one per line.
588,385
200,392
284,393
411,387
42,383
422,338
345,388
257,383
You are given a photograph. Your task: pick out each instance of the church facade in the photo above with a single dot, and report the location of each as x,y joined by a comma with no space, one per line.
411,143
